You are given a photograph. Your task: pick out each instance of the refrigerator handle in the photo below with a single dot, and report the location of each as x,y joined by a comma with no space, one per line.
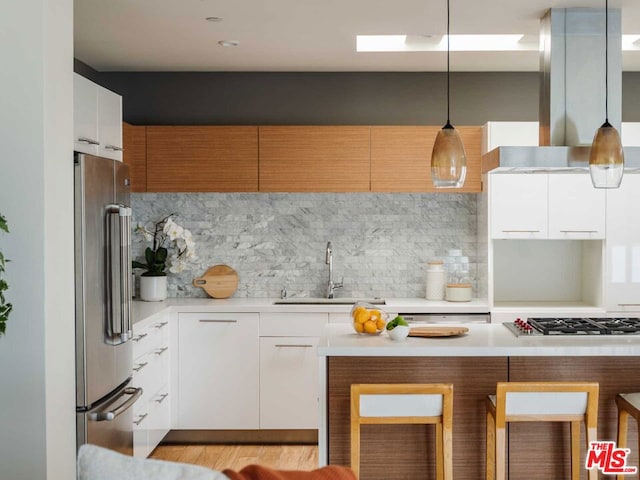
109,415
126,292
119,325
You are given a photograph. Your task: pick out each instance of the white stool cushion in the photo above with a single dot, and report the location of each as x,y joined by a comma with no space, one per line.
546,403
401,405
632,398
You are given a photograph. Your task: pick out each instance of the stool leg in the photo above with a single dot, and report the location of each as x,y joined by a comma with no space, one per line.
501,454
575,450
355,448
447,451
439,453
623,425
592,436
491,448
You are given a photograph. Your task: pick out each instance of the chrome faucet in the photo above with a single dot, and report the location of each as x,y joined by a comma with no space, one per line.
329,261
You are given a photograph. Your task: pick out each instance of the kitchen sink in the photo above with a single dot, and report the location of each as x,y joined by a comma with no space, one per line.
328,301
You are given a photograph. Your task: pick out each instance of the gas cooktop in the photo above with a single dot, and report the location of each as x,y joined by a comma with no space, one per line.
575,326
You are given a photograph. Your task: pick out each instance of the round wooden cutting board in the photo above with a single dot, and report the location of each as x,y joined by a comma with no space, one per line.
220,281
437,331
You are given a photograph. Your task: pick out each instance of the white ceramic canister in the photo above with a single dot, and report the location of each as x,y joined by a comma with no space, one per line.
435,280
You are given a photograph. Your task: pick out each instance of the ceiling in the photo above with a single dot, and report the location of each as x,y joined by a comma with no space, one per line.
308,35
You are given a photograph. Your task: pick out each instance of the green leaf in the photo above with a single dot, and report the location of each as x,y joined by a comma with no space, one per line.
136,264
161,255
3,224
149,256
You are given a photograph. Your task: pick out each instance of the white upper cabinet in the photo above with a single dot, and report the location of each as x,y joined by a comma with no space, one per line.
97,119
85,115
546,206
109,124
622,283
509,134
519,205
576,208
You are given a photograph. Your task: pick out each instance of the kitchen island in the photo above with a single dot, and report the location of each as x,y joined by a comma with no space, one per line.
474,363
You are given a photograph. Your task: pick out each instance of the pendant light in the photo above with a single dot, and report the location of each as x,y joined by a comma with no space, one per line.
606,160
448,160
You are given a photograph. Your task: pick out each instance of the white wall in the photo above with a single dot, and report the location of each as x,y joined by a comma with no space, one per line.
37,401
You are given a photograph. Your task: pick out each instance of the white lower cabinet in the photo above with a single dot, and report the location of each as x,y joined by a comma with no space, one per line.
151,368
289,369
288,383
218,371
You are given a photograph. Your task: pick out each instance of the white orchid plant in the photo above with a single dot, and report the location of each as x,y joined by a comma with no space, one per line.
179,242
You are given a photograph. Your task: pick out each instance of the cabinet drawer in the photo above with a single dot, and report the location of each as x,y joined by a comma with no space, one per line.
145,339
293,324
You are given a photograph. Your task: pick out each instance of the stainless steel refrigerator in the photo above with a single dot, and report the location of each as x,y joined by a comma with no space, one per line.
104,396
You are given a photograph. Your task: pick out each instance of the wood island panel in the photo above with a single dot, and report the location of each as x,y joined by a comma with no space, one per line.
407,451
545,447
314,159
134,154
401,156
202,158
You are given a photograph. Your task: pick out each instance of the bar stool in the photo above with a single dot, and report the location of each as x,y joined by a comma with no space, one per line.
411,403
628,404
573,402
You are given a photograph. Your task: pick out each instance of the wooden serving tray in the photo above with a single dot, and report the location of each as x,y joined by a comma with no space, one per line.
437,331
220,281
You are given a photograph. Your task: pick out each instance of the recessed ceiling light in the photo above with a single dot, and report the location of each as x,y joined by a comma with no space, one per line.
213,19
228,43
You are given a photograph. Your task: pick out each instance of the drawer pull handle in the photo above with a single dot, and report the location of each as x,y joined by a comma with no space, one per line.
140,418
161,324
139,337
294,346
160,351
89,141
140,366
114,148
162,398
521,231
629,304
578,231
206,320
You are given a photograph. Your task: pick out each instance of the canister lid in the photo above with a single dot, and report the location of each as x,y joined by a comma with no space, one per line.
435,262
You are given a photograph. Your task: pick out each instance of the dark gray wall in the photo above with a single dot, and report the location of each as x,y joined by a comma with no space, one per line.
368,98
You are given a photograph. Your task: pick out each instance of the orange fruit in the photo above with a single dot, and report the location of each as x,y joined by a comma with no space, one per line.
376,315
370,326
359,327
380,324
362,316
356,310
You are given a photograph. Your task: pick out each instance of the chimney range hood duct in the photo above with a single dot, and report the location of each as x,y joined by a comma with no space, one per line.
572,90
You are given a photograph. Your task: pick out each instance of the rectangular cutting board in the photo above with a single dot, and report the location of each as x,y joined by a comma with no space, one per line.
440,331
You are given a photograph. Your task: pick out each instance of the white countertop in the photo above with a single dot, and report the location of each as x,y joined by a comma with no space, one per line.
143,310
480,341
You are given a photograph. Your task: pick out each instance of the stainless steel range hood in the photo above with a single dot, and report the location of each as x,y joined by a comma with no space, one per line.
572,91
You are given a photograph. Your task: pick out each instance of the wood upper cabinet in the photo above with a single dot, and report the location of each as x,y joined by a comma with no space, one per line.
314,159
134,139
401,156
202,159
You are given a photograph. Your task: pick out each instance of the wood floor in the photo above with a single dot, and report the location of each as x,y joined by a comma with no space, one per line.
235,457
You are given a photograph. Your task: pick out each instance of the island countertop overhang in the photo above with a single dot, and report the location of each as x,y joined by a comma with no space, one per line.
489,340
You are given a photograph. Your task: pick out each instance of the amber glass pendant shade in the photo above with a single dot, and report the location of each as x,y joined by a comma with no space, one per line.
606,160
448,160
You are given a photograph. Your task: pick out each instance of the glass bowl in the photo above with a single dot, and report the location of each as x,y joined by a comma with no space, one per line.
368,319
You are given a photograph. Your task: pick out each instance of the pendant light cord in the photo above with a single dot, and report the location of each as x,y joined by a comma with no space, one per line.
448,70
606,61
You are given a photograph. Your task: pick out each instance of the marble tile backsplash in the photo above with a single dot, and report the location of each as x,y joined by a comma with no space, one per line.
381,242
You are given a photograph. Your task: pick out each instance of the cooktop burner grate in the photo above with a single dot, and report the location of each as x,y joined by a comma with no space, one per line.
576,326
